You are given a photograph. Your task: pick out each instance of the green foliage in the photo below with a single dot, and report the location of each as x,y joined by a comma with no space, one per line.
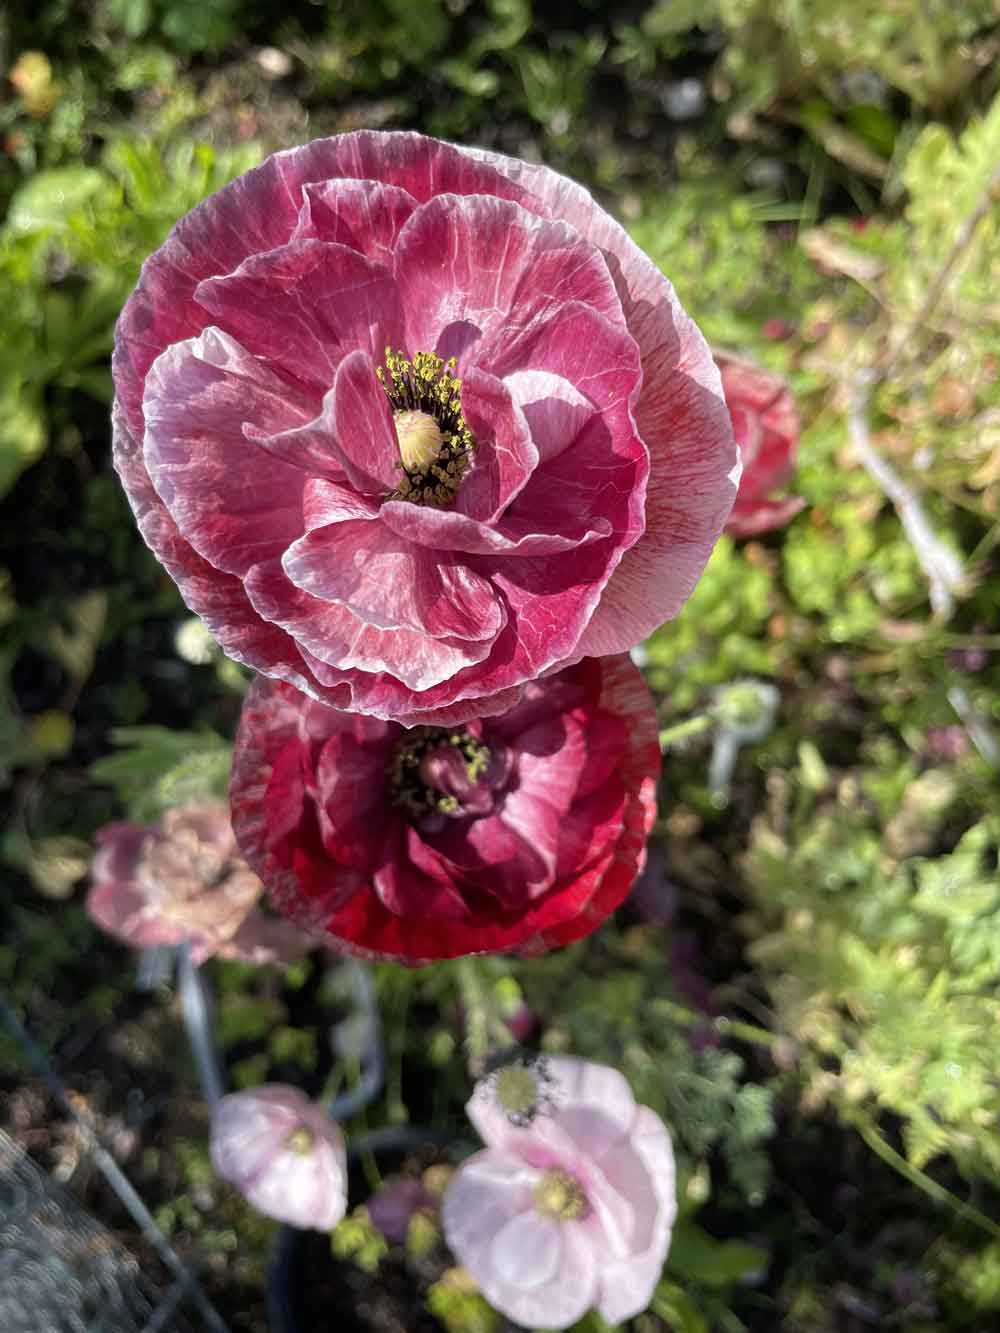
156,768
887,969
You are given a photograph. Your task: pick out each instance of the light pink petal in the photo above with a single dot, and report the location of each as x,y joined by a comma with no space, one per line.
336,635
364,215
305,306
627,1286
505,455
555,410
512,1282
304,1189
208,474
390,583
487,1191
474,272
584,1083
266,939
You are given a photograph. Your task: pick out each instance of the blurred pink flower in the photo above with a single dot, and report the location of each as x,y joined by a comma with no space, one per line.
393,1204
766,426
350,512
183,879
571,1204
283,1153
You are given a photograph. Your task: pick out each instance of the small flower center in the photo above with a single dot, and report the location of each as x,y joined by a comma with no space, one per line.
560,1196
518,1090
301,1140
435,444
435,770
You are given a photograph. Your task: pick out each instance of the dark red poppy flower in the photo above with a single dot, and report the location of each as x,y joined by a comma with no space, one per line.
411,424
766,426
510,833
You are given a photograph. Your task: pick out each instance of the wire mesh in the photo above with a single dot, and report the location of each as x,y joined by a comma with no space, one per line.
60,1270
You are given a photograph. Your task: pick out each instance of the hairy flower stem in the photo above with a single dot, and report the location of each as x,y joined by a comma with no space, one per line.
922,1181
485,1031
722,1026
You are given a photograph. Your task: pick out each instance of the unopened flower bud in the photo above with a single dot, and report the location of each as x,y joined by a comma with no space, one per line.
283,1153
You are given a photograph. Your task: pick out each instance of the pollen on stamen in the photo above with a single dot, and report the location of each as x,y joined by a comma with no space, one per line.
435,443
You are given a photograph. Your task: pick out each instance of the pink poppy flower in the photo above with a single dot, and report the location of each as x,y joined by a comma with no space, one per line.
766,426
571,1204
411,424
517,832
182,879
283,1153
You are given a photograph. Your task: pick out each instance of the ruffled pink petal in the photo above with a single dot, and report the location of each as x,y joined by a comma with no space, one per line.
390,583
505,454
305,306
681,416
264,939
627,1285
512,1283
208,474
584,1083
351,441
448,530
760,516
490,852
364,215
489,1190
335,635
475,272
409,891
555,410
258,212
325,502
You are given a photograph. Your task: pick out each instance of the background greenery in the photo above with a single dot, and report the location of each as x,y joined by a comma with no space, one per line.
808,987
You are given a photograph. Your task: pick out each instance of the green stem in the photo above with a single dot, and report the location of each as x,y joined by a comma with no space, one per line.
918,1178
485,1031
722,1026
680,731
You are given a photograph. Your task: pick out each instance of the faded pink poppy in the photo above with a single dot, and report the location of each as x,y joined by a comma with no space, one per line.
182,879
283,1153
570,1206
350,510
766,426
517,832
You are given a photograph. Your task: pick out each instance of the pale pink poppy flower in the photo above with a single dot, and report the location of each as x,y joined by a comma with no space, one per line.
180,880
411,425
283,1153
571,1204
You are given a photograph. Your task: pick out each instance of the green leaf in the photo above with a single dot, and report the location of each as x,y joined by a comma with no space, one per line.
47,200
695,1256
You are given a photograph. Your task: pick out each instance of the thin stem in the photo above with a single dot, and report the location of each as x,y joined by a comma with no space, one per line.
724,1027
681,731
196,1008
923,1182
485,1031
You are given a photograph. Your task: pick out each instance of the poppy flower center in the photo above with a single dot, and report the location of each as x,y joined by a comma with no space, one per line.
301,1140
560,1196
438,771
435,444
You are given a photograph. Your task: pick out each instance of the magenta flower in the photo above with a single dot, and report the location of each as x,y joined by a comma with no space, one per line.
182,879
766,426
283,1153
572,1202
517,832
411,424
